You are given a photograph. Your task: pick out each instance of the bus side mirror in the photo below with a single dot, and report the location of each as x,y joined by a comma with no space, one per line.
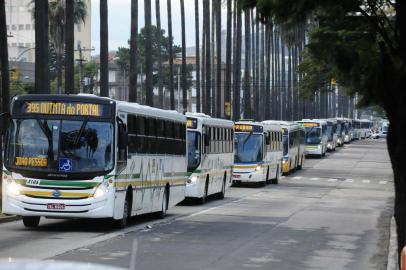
122,136
206,140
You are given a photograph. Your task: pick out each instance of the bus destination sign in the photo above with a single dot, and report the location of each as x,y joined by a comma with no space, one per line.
247,128
309,124
63,108
191,123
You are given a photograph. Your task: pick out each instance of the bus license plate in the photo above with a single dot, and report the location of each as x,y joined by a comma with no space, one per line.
56,206
236,176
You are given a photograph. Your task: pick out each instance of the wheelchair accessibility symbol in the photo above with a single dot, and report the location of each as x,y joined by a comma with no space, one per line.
65,164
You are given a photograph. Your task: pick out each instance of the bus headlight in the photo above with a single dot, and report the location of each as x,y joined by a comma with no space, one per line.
13,189
192,179
258,168
101,190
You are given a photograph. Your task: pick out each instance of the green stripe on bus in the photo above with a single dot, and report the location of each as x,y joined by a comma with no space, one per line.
60,183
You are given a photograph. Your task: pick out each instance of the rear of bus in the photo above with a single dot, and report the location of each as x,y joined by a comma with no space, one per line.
59,157
249,153
316,137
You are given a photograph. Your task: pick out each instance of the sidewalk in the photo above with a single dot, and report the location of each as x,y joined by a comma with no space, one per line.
4,218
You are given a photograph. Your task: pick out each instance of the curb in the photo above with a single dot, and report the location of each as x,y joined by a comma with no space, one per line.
4,219
393,247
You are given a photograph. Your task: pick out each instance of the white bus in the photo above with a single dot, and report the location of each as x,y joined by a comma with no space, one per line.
210,155
258,153
294,141
366,128
316,136
82,156
356,129
332,137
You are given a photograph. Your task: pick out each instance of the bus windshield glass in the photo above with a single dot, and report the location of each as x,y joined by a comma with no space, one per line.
193,157
313,135
249,147
60,146
330,132
339,130
285,144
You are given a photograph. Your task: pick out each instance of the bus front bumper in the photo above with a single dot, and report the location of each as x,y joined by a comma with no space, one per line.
248,176
22,205
313,150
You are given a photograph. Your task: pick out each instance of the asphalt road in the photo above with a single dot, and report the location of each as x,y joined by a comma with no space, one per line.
334,214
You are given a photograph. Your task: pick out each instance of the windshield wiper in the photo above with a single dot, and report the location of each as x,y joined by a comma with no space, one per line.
246,139
82,127
45,129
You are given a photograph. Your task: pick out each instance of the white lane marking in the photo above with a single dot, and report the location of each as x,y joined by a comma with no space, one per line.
383,182
297,177
366,181
349,180
314,178
332,180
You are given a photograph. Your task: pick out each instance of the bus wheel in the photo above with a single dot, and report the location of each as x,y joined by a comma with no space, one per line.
276,179
31,222
165,200
203,199
122,223
222,193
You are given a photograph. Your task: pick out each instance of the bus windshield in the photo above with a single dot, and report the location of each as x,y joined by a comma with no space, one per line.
285,144
60,146
249,147
313,135
193,157
330,132
339,126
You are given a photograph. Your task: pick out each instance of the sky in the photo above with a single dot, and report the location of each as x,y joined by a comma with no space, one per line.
120,21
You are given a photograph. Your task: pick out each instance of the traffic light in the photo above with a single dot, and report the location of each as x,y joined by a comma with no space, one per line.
15,74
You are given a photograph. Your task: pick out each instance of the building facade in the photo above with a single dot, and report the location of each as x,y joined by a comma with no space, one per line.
21,31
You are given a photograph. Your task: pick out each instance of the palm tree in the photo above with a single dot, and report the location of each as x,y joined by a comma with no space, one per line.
133,52
148,54
57,30
267,71
104,49
262,78
203,65
158,26
247,73
170,52
69,48
184,71
5,80
227,97
218,53
237,67
212,50
206,11
197,56
41,47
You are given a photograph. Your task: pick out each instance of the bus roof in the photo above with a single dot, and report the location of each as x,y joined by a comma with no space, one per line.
285,124
208,120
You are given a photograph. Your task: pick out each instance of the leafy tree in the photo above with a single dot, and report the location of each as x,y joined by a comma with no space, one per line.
361,44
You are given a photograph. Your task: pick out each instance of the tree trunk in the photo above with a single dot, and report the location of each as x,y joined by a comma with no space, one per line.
184,71
237,69
133,52
104,49
247,73
198,97
259,116
268,30
227,90
158,26
253,58
4,67
213,106
203,66
208,57
149,94
170,51
262,77
219,105
69,48
41,47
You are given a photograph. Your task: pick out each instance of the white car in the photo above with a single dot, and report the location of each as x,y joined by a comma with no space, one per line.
381,134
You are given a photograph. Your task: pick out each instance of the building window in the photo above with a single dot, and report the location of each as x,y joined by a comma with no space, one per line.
21,27
27,45
13,27
78,44
8,27
20,44
28,27
13,44
79,27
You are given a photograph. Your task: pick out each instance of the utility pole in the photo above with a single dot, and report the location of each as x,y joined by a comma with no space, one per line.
81,60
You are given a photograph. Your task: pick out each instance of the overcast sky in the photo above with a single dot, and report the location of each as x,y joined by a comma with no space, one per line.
120,20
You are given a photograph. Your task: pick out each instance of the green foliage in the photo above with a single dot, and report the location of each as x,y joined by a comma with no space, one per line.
20,88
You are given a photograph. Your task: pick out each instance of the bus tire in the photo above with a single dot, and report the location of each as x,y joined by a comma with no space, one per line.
275,181
203,199
123,222
222,193
165,203
31,222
